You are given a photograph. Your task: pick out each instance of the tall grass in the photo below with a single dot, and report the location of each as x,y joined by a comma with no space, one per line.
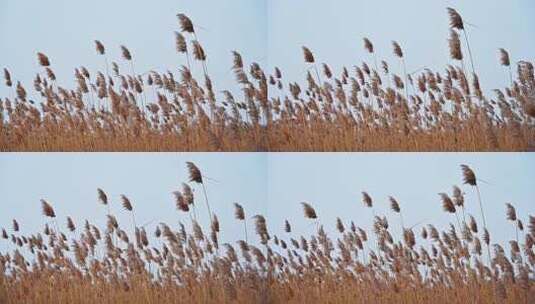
358,109
175,264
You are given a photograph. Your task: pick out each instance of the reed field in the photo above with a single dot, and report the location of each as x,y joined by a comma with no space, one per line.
365,107
73,261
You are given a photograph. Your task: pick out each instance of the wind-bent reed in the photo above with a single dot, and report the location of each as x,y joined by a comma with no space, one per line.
179,263
359,108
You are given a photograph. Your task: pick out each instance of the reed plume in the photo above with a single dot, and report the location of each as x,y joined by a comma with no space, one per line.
185,23
352,110
368,45
239,214
506,62
504,58
469,177
185,264
307,54
309,211
455,46
180,43
70,224
126,53
397,49
456,22
196,176
511,216
367,200
47,209
288,227
194,173
447,203
7,78
43,59
102,196
100,47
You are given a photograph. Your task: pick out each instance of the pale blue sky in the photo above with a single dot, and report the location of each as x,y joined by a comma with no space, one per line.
270,32
272,184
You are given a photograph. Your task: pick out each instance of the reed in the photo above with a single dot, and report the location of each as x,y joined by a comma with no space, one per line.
356,109
188,263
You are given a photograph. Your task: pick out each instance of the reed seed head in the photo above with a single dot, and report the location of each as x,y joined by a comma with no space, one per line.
456,21
307,54
100,47
47,209
447,203
127,205
185,23
511,212
504,58
43,59
469,177
309,211
367,200
368,45
394,205
455,45
239,214
397,49
125,53
194,173
180,43
103,198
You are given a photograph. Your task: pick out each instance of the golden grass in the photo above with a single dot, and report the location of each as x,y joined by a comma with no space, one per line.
367,107
350,264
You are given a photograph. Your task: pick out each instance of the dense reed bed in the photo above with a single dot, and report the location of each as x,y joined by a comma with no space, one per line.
361,108
183,262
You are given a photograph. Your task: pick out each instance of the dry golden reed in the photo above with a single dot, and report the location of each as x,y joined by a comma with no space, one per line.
173,264
367,107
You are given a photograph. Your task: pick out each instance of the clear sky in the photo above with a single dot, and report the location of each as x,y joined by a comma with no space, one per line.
272,184
270,32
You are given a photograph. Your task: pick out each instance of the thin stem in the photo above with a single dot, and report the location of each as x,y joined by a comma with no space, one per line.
406,79
458,222
245,228
57,228
194,212
187,59
319,78
481,207
469,51
107,84
376,236
466,77
510,76
483,217
207,203
205,69
134,221
143,90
